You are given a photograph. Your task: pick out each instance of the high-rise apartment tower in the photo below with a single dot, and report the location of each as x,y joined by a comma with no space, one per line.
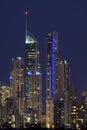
17,83
33,77
51,76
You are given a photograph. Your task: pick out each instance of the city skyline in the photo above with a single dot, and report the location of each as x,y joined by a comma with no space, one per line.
42,20
43,65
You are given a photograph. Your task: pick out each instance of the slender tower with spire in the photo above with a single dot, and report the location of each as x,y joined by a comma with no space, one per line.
33,77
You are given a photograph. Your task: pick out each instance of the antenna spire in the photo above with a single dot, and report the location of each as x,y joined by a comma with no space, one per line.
26,14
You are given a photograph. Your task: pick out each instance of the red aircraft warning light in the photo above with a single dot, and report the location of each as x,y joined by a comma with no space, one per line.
26,13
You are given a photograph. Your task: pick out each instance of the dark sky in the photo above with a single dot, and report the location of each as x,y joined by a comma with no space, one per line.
67,17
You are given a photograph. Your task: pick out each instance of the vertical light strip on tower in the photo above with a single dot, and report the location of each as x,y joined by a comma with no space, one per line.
53,66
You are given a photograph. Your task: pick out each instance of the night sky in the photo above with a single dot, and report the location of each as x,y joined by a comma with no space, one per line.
67,17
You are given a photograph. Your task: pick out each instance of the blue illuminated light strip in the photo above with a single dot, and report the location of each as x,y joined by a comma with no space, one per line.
53,67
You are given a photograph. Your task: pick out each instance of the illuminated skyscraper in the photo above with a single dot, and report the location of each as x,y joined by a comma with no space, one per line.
67,91
62,94
17,83
57,84
4,93
59,94
51,73
33,77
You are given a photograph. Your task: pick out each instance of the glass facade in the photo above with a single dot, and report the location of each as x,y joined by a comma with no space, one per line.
33,77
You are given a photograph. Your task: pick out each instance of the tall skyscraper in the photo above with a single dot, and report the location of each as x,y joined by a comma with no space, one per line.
62,94
51,74
59,94
33,77
57,84
67,91
17,83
